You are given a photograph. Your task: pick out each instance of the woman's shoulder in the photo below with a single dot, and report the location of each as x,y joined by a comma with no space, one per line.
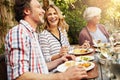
83,30
44,33
100,25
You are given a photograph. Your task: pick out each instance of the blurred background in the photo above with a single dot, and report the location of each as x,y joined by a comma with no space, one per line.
72,11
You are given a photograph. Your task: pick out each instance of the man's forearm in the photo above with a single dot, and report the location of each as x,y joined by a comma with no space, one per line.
35,76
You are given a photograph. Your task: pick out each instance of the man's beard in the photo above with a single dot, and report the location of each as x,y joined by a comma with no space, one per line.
41,22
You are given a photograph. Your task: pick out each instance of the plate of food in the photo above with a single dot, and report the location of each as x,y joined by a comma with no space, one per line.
87,65
81,51
84,58
101,45
104,52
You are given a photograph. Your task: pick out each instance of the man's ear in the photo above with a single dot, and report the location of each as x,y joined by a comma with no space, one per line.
27,11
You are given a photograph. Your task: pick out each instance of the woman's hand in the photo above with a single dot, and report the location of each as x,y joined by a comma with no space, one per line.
67,57
86,44
63,50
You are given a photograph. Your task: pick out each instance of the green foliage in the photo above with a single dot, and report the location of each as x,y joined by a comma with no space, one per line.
62,5
76,23
5,20
73,17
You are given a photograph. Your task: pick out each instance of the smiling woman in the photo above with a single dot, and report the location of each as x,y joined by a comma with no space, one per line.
53,39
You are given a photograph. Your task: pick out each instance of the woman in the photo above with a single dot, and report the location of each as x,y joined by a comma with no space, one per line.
53,39
93,30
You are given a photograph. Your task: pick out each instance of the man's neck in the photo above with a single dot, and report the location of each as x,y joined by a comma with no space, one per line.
32,23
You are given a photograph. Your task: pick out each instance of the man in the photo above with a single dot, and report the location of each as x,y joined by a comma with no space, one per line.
24,57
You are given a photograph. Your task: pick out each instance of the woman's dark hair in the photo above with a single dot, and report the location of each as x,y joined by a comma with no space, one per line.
19,7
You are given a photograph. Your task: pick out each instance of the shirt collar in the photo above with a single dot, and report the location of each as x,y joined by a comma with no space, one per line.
27,25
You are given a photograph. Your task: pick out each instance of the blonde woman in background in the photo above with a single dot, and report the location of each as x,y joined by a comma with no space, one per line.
93,30
53,39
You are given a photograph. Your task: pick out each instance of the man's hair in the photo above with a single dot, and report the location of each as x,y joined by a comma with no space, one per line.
19,7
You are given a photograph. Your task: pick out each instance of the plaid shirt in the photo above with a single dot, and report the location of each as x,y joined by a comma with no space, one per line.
23,52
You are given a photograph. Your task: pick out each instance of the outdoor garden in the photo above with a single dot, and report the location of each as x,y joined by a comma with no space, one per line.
72,11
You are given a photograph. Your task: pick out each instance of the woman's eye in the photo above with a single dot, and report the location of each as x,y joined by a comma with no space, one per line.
55,13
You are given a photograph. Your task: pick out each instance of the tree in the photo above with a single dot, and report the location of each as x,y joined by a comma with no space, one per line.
45,3
113,12
6,20
72,10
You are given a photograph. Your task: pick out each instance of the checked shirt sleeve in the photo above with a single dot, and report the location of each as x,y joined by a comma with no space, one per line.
17,45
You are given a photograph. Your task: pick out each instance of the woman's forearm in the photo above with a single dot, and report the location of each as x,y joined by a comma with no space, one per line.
54,57
53,64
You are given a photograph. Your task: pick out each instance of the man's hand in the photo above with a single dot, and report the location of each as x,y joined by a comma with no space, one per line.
75,73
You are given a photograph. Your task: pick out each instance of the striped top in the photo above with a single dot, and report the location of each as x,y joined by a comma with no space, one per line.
23,52
50,45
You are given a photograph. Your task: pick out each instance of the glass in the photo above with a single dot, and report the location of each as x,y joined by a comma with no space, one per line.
96,45
107,67
71,48
112,66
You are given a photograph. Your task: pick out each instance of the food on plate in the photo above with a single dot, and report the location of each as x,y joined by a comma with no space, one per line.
86,64
80,51
73,63
84,58
70,63
98,43
76,51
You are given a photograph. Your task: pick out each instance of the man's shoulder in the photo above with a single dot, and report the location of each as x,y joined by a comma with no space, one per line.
15,28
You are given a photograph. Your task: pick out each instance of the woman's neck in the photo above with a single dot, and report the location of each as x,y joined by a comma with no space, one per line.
91,27
53,28
55,32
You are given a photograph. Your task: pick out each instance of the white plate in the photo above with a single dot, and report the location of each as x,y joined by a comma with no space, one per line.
101,45
90,50
84,58
117,43
63,67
